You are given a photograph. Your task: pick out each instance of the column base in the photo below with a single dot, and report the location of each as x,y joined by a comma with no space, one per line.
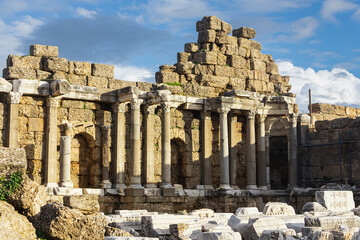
263,187
106,184
120,186
236,187
225,187
251,187
51,185
290,187
167,190
67,184
150,185
134,190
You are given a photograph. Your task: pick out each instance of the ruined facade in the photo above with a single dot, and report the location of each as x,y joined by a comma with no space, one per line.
221,117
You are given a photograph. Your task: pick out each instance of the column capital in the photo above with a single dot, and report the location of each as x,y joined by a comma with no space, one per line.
136,103
262,117
223,110
293,119
119,107
250,115
150,109
14,97
53,101
166,106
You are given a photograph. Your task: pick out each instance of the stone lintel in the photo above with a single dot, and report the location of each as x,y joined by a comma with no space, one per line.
59,87
82,93
30,86
5,86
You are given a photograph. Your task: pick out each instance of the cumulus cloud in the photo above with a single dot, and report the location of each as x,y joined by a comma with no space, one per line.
86,13
331,7
133,73
337,86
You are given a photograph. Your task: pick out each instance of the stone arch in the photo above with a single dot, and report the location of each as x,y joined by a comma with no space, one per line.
84,169
276,124
178,161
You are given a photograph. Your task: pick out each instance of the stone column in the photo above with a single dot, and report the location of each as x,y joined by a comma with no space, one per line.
12,131
105,183
149,147
233,151
293,168
65,157
135,188
224,149
119,145
261,164
267,143
206,147
251,151
52,105
166,187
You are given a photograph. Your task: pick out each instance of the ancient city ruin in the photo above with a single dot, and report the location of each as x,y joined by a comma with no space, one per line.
218,130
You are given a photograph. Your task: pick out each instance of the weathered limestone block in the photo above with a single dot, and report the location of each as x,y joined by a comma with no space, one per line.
237,61
320,235
191,47
257,64
5,86
209,22
255,53
167,77
17,73
256,227
59,87
40,74
80,115
224,71
244,32
203,213
214,81
185,68
14,225
255,45
221,59
56,64
278,234
223,38
329,223
200,69
336,201
328,109
285,79
313,207
24,62
275,78
207,36
272,68
44,51
79,68
116,232
99,82
237,83
36,125
29,197
226,27
256,85
60,222
118,84
31,86
246,211
205,57
102,70
219,236
87,204
76,79
12,160
183,57
278,208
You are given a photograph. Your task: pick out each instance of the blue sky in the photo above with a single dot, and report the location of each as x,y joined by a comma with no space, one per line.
315,42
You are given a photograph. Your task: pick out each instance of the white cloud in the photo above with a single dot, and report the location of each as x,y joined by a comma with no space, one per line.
133,73
337,86
331,7
86,13
274,6
304,28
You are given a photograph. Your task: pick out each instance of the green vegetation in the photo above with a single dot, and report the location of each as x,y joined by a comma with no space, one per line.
174,84
84,104
24,56
8,186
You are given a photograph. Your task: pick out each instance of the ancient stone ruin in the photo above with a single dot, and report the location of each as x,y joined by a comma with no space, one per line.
218,130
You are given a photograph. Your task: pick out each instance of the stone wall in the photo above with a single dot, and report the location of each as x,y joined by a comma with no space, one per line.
336,134
219,62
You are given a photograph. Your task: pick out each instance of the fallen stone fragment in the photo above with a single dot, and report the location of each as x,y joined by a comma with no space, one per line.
336,201
219,236
87,204
256,226
313,207
278,209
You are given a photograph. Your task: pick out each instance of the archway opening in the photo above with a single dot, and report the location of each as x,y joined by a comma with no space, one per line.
278,146
81,162
178,161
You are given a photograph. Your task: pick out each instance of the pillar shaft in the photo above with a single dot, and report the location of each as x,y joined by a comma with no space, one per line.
206,147
261,164
224,149
135,180
251,151
12,136
149,147
65,161
233,151
119,145
105,157
267,143
293,153
165,147
52,105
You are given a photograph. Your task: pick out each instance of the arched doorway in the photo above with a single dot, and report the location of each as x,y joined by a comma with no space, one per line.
278,146
81,162
178,160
